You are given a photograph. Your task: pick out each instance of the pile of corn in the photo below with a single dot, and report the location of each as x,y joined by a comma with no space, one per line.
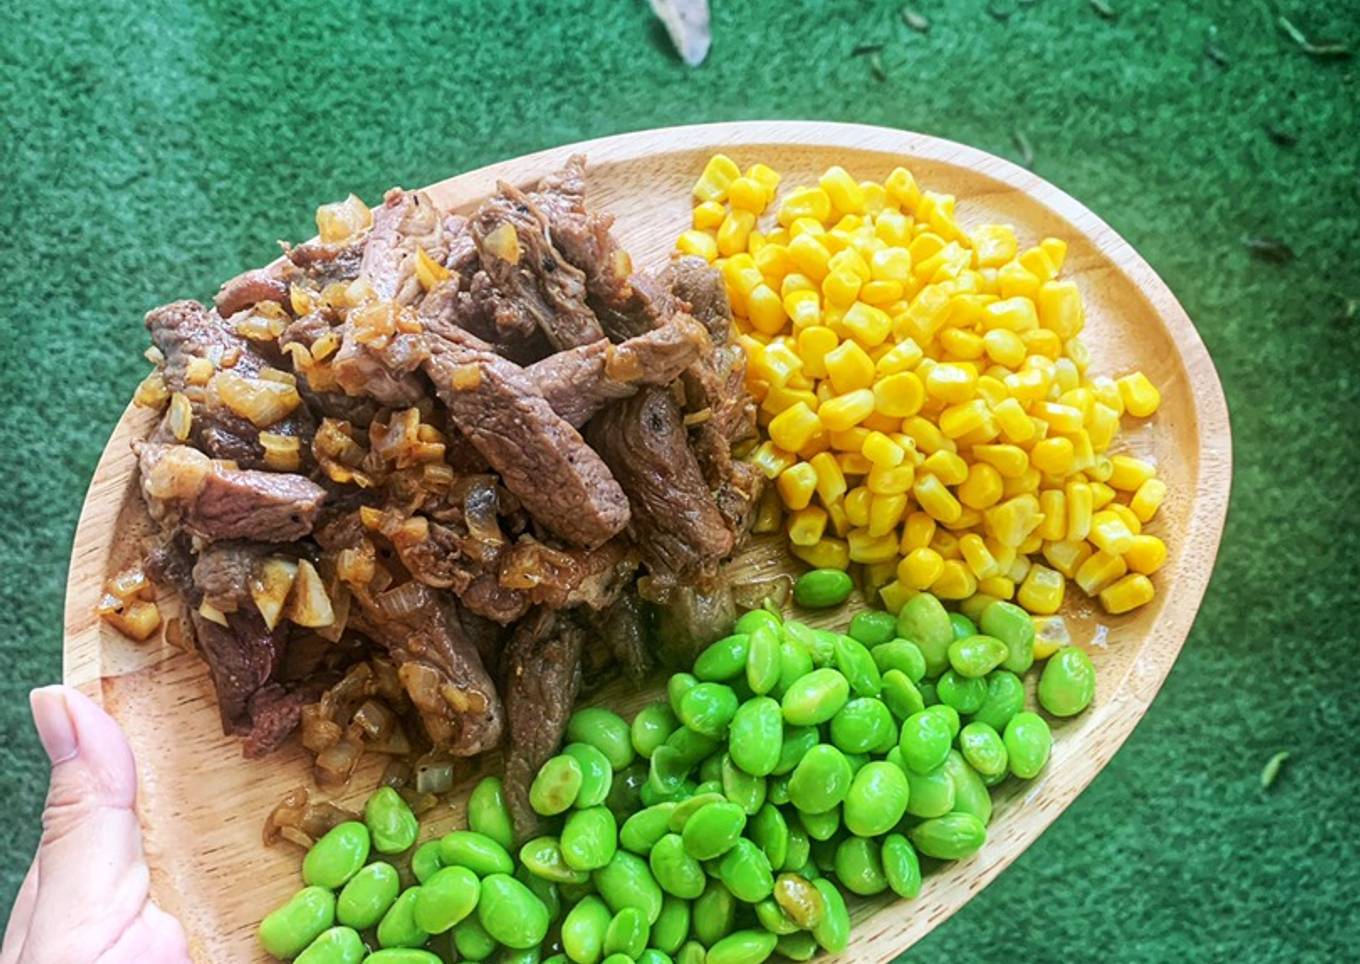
924,395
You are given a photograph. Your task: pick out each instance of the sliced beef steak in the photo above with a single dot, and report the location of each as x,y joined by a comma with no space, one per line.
223,571
249,289
406,222
698,284
624,629
242,658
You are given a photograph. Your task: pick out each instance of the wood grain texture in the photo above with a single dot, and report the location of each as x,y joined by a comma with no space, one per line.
202,805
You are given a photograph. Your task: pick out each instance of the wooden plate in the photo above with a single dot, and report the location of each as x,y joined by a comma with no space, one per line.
202,805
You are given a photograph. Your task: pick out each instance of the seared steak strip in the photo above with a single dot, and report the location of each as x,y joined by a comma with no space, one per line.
674,519
248,289
540,457
542,676
624,628
223,571
407,220
695,282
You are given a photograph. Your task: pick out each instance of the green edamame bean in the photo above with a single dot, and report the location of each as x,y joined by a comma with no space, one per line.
976,655
713,829
983,748
712,913
799,849
1005,698
544,890
901,695
286,931
337,856
820,643
772,917
543,858
589,838
556,959
597,774
653,723
688,808
777,790
752,619
488,813
398,928
1028,742
606,731
650,796
739,787
863,725
877,799
966,694
931,794
949,715
626,881
815,698
873,627
1014,627
653,956
821,826
584,928
925,740
746,872
672,925
708,708
770,832
1068,682
666,771
710,770
924,621
406,955
642,830
824,854
927,690
795,662
692,952
367,896
744,947
724,660
950,837
963,626
691,745
677,686
425,860
797,741
762,659
755,736
675,870
821,780
833,933
625,793
555,787
477,852
472,941
391,824
822,588
858,667
528,955
970,792
511,913
339,945
901,655
445,899
800,900
627,933
801,946
859,867
901,866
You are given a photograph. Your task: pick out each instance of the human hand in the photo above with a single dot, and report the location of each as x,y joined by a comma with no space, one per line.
87,895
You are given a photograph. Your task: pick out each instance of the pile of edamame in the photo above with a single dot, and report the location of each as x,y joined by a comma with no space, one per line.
722,826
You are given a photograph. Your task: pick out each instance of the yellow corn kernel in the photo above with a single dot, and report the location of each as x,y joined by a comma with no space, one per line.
1042,591
774,364
805,202
807,525
1050,635
1013,280
849,440
849,259
902,357
796,485
946,544
794,427
880,293
773,260
831,485
1098,571
1101,495
766,176
1028,385
936,500
1101,425
844,191
1053,504
1026,483
771,460
765,310
1010,461
952,383
1012,521
891,264
734,232
719,172
995,244
1130,473
747,194
1141,397
946,466
814,342
1100,469
1067,556
1001,587
957,421
968,519
846,410
1149,497
816,445
1110,533
1019,569
865,548
1015,315
852,463
982,488
781,398
804,308
881,450
867,324
1060,418
885,512
878,574
793,281
979,559
1004,347
902,188
943,265
956,581
992,391
1060,308
895,595
882,480
925,436
1054,456
700,243
857,502
1011,419
1106,391
841,287
1080,508
1037,263
829,553
1125,513
769,514
1146,555
875,197
755,243
1056,249
925,315
1128,593
899,395
709,215
917,532
1081,399
920,568
974,605
810,256
893,228
849,367
835,515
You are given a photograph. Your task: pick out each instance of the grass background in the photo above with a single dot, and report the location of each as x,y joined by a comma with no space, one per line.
151,148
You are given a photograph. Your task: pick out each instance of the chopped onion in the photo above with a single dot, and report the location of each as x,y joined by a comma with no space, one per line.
434,777
309,605
270,585
335,764
406,599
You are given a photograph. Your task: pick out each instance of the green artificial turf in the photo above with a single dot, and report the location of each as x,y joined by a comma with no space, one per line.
150,149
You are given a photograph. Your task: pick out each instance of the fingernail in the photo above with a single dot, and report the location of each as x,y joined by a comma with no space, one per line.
53,723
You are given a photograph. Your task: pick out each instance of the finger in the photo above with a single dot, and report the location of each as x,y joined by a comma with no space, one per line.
92,880
154,938
19,916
